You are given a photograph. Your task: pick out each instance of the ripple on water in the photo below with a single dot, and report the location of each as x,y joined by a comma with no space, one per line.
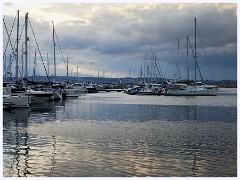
120,135
154,148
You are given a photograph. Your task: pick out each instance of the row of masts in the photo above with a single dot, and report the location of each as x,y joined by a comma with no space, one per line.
195,55
54,54
179,69
152,69
26,53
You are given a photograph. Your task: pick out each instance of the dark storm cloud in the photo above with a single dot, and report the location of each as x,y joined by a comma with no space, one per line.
117,33
155,27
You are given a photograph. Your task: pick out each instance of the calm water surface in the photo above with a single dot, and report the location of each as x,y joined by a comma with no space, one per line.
115,134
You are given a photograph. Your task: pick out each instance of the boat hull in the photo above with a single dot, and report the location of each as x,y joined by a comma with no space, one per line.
92,90
72,92
17,101
191,92
39,96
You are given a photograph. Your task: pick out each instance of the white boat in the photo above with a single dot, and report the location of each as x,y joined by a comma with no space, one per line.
194,89
59,91
71,92
145,89
57,95
191,90
14,100
74,90
140,90
39,96
80,88
91,88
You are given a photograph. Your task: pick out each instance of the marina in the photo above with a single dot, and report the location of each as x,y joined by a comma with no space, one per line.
113,134
119,90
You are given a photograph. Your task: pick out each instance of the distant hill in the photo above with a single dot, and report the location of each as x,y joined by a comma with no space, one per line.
125,80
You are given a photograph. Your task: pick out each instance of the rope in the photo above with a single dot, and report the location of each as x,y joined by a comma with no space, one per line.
9,39
159,68
60,48
210,69
196,62
21,32
39,50
183,56
175,63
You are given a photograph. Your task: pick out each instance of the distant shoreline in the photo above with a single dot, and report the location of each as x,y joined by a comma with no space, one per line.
124,80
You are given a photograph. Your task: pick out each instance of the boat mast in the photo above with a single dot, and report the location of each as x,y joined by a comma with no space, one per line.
22,61
35,62
91,72
10,67
145,59
187,61
16,71
179,63
67,69
54,55
195,56
5,68
26,40
77,72
48,63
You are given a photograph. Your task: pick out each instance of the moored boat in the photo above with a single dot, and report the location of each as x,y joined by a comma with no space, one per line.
39,96
91,88
193,89
10,100
16,101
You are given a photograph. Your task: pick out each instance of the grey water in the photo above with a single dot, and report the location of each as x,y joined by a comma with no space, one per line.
112,134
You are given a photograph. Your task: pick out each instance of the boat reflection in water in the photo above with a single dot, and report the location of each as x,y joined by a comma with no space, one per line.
16,139
96,136
18,148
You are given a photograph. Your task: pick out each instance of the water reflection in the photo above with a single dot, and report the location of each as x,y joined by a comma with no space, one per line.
194,167
53,152
16,136
17,151
88,110
78,137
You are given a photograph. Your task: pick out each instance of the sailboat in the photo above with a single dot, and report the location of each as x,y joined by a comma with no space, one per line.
191,89
10,100
72,90
57,89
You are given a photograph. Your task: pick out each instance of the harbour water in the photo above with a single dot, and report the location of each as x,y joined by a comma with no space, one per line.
112,134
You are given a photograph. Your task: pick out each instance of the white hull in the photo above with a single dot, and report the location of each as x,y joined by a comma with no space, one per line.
192,91
17,101
79,89
72,92
39,96
145,92
57,95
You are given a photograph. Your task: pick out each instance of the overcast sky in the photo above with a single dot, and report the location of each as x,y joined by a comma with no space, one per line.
116,37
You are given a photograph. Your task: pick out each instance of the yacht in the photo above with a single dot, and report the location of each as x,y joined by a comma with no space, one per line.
40,96
193,89
145,89
179,89
91,88
15,101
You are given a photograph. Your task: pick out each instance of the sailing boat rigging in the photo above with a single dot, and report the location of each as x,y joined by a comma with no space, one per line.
195,88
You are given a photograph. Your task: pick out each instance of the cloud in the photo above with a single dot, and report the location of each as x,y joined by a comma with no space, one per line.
118,35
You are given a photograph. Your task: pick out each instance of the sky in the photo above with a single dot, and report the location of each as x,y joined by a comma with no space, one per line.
112,39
